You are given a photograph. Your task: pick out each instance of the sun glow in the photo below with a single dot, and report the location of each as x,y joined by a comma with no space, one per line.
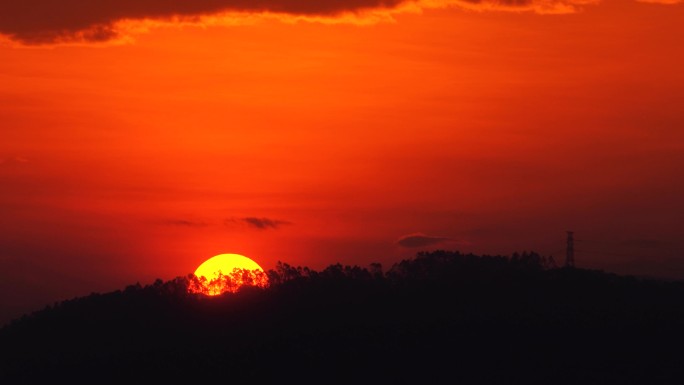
227,273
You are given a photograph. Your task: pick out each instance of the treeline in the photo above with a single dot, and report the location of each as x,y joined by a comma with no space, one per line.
443,317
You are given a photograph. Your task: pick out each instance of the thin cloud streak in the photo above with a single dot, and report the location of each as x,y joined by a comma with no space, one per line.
258,223
184,223
416,240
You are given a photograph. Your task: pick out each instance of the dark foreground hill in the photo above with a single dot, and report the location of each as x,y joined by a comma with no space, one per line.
442,317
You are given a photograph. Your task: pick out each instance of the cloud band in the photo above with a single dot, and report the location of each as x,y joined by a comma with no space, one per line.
54,21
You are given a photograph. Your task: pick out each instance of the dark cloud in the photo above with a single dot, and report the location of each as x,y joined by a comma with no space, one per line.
49,21
53,21
184,223
539,6
259,223
421,240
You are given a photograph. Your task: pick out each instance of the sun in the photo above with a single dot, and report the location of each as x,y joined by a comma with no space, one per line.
226,273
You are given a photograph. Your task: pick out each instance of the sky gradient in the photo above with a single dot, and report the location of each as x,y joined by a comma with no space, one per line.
140,138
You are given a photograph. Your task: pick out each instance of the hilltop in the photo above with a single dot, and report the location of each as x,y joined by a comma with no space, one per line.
442,317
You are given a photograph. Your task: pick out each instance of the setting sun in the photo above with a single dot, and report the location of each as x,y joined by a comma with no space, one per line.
227,273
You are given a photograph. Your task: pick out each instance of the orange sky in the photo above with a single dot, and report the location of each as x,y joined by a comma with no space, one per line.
486,130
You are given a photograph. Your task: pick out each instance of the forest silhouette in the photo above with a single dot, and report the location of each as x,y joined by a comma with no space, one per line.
441,317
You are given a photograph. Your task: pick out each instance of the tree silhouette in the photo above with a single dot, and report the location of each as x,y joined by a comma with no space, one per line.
441,317
226,283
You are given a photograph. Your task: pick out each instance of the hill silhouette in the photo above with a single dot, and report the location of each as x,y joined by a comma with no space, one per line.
442,317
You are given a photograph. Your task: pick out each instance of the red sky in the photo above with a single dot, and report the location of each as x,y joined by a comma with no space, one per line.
141,149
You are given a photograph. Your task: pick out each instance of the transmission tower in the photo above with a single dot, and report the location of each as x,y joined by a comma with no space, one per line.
570,251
